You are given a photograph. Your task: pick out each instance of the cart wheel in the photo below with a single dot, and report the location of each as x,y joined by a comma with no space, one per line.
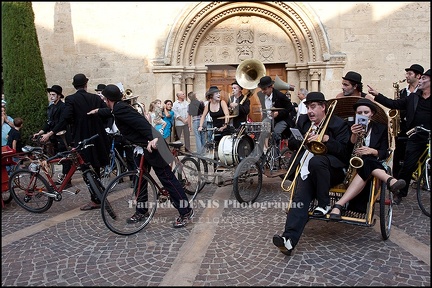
247,180
386,211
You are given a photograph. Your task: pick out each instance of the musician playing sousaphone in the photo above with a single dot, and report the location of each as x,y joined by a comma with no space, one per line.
238,105
329,135
371,147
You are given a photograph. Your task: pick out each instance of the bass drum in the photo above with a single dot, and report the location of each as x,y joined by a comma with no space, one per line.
232,150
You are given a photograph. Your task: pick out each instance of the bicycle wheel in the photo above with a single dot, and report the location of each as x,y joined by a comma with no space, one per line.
386,210
30,190
119,200
109,172
286,155
424,189
247,180
188,173
204,170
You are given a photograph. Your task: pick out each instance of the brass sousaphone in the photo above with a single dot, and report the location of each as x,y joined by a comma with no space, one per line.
249,73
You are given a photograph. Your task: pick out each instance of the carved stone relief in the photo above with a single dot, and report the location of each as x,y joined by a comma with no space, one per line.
244,37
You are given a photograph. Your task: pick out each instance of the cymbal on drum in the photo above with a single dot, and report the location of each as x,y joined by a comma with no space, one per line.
230,116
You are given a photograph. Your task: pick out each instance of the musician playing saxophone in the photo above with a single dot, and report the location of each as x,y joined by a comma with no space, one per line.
319,172
372,152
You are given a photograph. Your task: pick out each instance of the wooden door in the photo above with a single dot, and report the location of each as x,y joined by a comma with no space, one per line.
223,76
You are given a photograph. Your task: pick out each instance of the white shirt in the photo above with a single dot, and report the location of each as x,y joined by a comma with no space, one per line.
180,109
268,104
301,108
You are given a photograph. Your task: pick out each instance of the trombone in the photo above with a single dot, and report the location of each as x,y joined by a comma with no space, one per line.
316,146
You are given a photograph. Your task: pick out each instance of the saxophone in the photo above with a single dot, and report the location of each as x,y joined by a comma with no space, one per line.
355,161
394,114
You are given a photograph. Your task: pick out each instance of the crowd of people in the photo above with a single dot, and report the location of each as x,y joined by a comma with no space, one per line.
84,114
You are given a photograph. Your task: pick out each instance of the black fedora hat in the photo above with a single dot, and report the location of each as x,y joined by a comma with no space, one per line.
265,81
79,80
427,73
56,89
365,102
416,68
315,97
236,83
112,92
100,87
212,89
353,76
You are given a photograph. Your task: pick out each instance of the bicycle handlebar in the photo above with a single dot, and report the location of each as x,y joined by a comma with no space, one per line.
416,129
81,146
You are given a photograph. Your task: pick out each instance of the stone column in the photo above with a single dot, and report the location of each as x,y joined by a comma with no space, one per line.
315,78
177,80
189,80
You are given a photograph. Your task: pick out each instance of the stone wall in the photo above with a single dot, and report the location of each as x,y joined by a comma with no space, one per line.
125,42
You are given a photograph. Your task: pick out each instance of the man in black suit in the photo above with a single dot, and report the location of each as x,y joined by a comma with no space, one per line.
319,172
272,98
136,129
84,126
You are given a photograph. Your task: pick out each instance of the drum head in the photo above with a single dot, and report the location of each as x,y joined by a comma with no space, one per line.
244,147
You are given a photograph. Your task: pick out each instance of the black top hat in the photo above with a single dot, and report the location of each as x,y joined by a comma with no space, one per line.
56,89
212,89
416,68
353,76
100,87
79,80
112,92
236,83
265,81
427,73
365,102
314,97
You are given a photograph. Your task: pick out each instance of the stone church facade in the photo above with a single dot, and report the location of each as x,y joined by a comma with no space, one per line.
157,49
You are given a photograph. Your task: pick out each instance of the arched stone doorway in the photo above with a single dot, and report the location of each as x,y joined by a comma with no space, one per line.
211,34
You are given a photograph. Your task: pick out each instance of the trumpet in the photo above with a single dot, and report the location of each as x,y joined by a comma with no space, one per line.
315,147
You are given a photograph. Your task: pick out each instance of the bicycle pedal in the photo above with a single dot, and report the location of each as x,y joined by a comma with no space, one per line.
163,198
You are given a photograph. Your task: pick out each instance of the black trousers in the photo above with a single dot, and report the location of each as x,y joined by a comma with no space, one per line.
317,185
414,148
169,181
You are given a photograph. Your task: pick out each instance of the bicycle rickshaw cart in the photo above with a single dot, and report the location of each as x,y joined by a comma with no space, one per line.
273,162
379,194
7,155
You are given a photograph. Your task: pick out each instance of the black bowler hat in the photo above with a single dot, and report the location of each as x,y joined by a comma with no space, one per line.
265,82
427,73
100,87
79,80
416,68
236,83
56,89
314,97
353,76
365,102
212,89
112,92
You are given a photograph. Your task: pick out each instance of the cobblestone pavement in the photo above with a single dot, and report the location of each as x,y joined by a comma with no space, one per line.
226,245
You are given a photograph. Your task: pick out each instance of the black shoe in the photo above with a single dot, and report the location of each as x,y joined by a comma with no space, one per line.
397,199
137,217
283,244
68,185
182,220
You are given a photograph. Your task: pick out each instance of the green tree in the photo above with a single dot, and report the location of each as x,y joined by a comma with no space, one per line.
23,72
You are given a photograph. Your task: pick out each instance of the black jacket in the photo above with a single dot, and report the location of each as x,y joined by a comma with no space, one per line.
279,100
337,151
84,126
136,129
